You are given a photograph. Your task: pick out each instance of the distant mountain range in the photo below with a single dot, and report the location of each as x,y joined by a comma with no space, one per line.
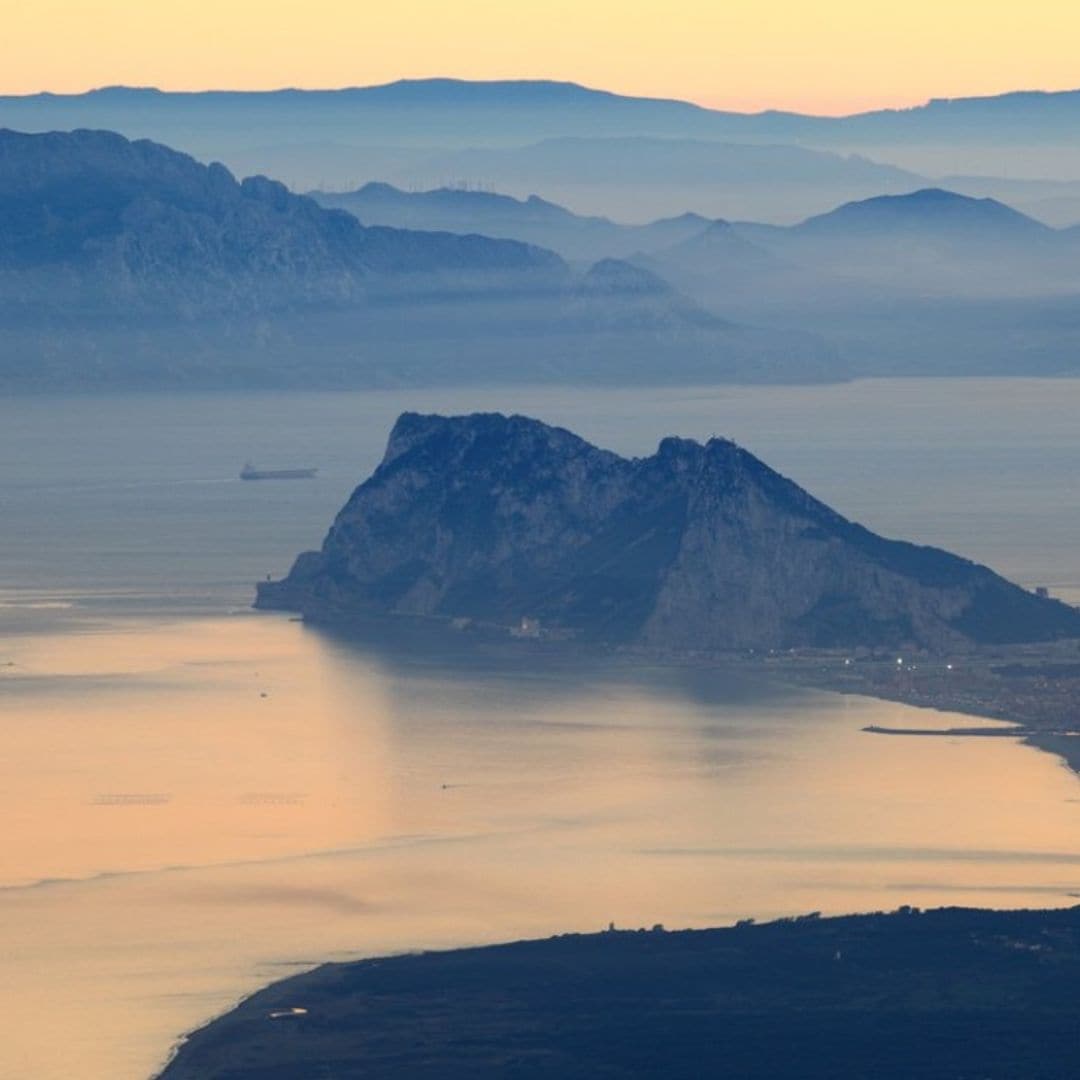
421,106
931,240
534,219
635,176
124,263
927,282
132,226
928,241
507,521
430,132
127,263
944,213
931,282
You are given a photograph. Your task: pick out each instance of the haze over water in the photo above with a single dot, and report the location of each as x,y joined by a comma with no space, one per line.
200,798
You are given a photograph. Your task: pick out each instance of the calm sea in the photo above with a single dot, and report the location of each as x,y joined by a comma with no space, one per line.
199,799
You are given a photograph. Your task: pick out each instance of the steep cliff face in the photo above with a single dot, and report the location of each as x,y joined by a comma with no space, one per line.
697,547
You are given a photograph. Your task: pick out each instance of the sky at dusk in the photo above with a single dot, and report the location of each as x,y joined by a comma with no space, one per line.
832,56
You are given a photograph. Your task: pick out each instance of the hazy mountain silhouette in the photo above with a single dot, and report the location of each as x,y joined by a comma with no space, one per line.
931,282
341,138
932,240
128,262
641,176
420,103
721,260
929,209
134,224
533,219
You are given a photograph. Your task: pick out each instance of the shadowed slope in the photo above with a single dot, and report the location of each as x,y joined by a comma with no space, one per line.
944,995
498,518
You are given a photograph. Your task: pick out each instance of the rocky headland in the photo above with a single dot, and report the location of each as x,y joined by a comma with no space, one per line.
507,525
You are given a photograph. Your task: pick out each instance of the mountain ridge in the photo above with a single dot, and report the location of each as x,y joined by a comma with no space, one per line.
129,263
530,218
928,206
390,132
97,182
413,89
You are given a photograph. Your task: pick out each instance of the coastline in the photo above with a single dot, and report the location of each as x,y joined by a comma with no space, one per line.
885,995
977,692
980,689
1034,687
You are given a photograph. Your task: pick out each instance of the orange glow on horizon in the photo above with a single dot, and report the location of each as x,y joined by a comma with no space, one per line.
832,57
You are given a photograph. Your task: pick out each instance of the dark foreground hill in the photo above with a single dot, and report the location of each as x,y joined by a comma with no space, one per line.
953,994
127,263
498,519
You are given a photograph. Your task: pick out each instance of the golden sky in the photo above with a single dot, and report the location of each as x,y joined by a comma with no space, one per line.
824,56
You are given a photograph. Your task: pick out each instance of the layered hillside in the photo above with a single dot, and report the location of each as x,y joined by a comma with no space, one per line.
930,241
89,219
498,518
128,264
928,283
532,219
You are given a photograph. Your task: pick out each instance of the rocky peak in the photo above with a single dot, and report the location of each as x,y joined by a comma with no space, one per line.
623,278
410,429
490,442
494,518
679,453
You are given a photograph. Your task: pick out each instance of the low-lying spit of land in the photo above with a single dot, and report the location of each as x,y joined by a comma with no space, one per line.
944,994
1035,687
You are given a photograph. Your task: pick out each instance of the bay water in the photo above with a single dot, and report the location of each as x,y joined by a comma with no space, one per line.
198,798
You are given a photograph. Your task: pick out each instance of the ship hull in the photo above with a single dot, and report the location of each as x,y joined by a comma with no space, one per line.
278,474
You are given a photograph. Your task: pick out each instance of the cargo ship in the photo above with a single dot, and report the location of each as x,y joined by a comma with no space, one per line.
249,472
